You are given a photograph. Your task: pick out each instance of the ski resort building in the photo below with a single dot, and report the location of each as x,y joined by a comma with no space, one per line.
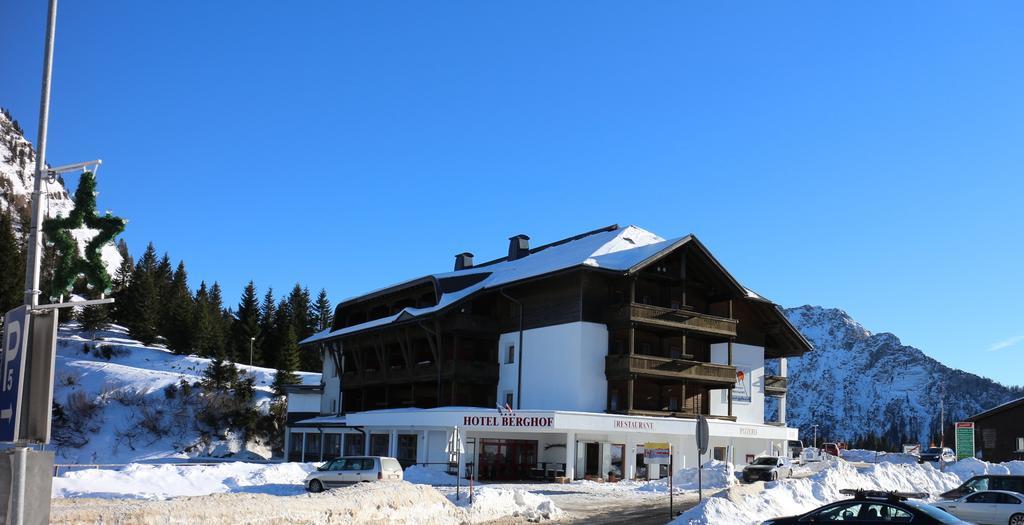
556,360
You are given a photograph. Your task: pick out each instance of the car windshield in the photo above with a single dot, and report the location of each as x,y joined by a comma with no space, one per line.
933,450
765,461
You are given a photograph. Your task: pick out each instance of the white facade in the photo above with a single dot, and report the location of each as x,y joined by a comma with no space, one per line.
748,396
330,403
563,367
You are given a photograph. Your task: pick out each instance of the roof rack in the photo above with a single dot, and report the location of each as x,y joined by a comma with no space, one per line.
890,495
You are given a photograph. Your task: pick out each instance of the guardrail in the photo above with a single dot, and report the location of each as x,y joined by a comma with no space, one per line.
66,467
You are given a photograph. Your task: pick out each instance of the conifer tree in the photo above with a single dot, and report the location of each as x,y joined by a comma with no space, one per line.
12,262
269,338
202,324
215,312
323,313
246,324
140,307
179,306
289,362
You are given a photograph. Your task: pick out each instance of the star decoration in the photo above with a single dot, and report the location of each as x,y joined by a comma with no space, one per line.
70,264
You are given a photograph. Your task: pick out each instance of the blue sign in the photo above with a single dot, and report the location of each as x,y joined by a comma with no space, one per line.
15,344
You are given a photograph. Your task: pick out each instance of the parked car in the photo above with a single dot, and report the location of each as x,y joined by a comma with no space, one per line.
767,468
941,454
987,482
988,507
355,469
874,507
832,448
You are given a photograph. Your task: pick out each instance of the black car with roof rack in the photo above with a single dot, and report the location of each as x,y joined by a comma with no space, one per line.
874,506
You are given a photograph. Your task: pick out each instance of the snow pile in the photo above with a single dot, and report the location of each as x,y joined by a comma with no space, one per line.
387,502
715,475
494,503
870,456
429,476
969,467
742,505
143,481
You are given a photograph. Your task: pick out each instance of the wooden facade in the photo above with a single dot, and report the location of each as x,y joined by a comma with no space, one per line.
662,318
999,433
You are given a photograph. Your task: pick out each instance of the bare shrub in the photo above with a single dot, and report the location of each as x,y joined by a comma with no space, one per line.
81,407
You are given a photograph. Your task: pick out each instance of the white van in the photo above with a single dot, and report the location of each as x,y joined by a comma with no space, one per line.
354,469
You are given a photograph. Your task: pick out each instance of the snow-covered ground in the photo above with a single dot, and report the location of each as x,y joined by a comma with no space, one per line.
114,396
744,505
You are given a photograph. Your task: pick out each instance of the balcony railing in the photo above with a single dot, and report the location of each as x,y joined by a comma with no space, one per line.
471,371
618,366
680,318
670,413
775,385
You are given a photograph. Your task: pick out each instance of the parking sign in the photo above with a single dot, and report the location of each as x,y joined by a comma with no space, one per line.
15,345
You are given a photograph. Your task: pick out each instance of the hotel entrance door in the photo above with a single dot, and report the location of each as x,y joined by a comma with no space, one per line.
507,459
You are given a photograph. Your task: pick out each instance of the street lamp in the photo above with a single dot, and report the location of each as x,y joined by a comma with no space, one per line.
251,339
815,427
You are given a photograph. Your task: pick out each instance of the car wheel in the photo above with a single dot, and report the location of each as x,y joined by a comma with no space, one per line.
1017,519
316,486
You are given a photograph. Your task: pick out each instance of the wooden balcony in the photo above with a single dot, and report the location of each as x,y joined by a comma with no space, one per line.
468,371
775,385
621,366
669,413
678,318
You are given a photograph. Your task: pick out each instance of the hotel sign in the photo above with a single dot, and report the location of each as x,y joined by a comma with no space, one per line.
625,424
508,421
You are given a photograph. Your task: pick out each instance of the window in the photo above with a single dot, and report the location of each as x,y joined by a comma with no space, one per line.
332,445
353,444
719,453
509,399
1020,444
407,449
988,438
1008,499
379,444
510,354
983,497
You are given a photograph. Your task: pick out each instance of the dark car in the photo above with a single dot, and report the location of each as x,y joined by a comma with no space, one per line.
767,468
870,506
987,482
940,454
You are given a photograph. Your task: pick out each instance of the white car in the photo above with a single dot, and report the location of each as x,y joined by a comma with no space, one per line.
988,507
356,469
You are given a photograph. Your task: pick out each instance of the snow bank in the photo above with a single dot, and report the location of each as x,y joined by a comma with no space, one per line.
716,475
142,481
493,503
743,505
429,476
969,467
870,456
387,502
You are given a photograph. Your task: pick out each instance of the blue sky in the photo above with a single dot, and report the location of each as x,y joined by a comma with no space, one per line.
863,155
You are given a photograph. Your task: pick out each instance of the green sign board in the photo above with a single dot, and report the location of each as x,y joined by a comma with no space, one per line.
964,440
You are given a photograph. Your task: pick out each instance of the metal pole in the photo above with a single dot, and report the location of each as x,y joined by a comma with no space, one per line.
35,252
671,489
251,339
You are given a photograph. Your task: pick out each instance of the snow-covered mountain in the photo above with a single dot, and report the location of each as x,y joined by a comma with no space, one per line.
856,383
17,181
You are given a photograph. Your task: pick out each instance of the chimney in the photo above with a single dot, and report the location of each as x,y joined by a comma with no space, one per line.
518,247
463,261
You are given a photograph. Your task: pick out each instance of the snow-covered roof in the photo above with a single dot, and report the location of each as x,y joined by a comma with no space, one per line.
1005,406
614,248
617,249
